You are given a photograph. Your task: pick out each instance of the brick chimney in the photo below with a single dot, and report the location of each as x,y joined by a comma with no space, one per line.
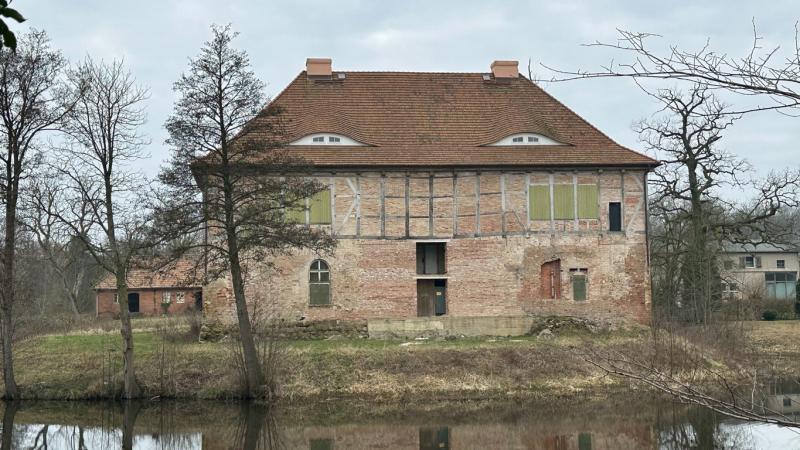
505,69
318,67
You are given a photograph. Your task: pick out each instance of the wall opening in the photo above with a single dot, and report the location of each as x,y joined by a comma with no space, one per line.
615,216
431,258
133,302
579,279
550,279
431,297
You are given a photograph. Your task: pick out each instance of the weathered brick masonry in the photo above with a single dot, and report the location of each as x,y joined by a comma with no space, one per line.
494,253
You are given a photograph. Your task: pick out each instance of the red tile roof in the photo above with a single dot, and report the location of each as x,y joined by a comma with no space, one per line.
182,273
440,119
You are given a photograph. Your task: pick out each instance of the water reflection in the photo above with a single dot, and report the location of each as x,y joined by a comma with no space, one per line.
622,424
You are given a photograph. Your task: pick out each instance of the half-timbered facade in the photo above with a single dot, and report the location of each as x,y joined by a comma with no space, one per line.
466,194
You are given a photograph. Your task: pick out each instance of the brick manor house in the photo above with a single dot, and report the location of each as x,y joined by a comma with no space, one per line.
459,194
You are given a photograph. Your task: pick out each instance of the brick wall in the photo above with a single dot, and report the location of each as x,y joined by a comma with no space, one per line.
493,252
149,301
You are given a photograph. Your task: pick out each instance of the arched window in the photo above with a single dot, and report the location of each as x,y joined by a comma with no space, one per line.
319,282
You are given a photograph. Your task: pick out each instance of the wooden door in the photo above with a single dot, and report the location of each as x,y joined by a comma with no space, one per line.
425,298
550,279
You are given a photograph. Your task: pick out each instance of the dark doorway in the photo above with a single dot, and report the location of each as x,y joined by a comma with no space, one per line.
198,301
133,302
550,279
615,216
431,297
430,258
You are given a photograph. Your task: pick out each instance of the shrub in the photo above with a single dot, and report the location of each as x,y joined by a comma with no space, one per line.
769,315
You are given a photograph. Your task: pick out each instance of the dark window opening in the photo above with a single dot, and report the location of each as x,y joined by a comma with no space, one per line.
787,401
781,264
434,438
615,216
430,258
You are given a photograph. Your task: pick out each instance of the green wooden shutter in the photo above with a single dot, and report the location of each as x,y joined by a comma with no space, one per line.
579,287
321,208
563,201
539,202
296,214
587,202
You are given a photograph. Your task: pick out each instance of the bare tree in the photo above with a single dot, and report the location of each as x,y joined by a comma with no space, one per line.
93,194
693,218
230,179
761,72
33,100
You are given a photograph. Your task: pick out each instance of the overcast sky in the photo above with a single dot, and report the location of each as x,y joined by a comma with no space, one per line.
156,37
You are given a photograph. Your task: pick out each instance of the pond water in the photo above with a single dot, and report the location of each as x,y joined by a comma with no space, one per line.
634,422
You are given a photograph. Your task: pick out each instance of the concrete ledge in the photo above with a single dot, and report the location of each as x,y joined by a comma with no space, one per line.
444,326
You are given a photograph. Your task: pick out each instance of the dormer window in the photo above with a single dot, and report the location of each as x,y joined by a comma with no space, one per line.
326,139
526,139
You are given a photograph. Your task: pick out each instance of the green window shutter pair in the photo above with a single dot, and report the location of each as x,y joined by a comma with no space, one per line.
563,202
319,210
539,202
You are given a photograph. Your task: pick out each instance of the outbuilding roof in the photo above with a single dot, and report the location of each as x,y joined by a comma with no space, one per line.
182,273
414,119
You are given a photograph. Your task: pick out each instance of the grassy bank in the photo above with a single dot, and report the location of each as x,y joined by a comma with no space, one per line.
86,364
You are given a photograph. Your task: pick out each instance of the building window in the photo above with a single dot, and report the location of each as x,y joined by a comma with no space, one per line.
166,297
179,297
615,216
781,285
318,139
533,139
319,283
335,139
729,289
787,401
564,206
430,258
781,263
749,261
116,298
517,139
319,210
579,278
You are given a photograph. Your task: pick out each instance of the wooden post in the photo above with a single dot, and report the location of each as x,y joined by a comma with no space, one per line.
408,212
332,183
455,203
503,203
358,205
430,205
552,206
383,205
477,203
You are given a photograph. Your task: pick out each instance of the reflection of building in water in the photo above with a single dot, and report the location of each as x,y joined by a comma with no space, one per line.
431,438
784,397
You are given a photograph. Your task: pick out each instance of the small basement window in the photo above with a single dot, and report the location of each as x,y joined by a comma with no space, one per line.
430,258
319,282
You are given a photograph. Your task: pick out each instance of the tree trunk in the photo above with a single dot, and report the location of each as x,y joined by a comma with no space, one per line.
252,366
8,425
7,328
130,386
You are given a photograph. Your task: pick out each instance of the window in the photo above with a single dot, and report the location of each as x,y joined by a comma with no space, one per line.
564,196
318,139
334,139
319,282
166,297
579,284
517,139
179,297
729,289
533,139
787,401
326,139
781,263
319,207
116,298
430,258
749,261
615,216
781,285
526,139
